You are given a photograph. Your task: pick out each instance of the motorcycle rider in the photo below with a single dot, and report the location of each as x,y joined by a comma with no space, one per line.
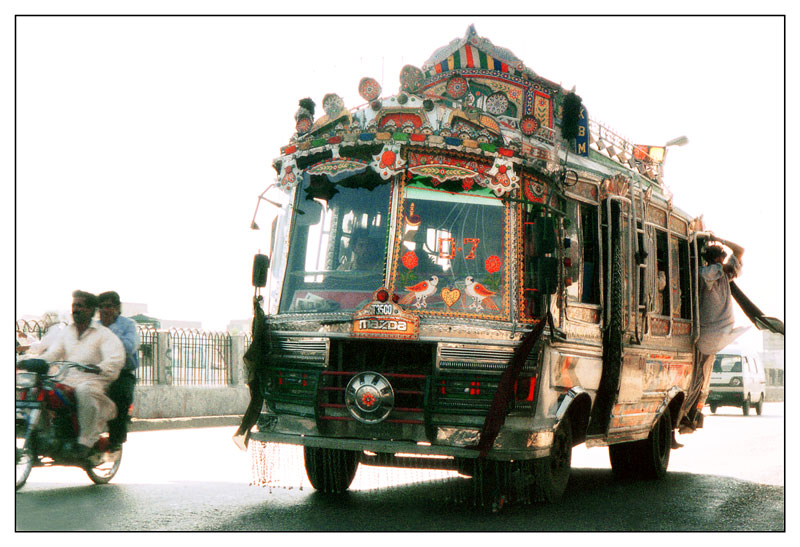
121,390
89,343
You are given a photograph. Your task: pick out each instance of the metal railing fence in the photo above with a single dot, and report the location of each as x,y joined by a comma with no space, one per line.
148,356
178,357
200,358
33,327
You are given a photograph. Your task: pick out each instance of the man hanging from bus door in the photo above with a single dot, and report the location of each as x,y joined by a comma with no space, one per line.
716,323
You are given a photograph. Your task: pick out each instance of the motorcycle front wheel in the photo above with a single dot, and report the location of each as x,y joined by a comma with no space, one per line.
24,458
104,471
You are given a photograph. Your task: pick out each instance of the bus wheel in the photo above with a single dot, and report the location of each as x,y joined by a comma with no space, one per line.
713,408
551,474
760,405
746,405
645,459
329,470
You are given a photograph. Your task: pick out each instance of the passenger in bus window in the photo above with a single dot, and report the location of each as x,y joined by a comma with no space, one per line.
716,320
662,284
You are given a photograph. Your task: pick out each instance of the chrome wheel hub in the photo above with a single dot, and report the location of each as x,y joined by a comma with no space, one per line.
369,397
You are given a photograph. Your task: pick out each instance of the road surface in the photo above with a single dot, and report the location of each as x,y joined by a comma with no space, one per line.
728,476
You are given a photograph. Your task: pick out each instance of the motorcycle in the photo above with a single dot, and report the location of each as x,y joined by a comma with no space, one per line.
47,423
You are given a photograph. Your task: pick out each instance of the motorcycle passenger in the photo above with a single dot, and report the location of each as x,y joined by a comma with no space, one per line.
121,390
89,343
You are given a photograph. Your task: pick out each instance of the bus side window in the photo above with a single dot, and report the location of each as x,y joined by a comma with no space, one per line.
573,268
531,302
590,255
583,253
535,279
662,269
684,304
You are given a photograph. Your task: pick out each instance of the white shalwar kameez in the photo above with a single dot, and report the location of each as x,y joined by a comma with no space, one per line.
96,346
716,324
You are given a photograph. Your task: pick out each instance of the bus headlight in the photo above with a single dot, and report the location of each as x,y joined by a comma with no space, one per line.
736,381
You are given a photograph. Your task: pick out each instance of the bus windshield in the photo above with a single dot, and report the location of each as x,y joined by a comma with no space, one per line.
450,255
337,254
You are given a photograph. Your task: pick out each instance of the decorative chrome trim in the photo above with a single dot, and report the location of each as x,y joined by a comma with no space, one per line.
311,351
463,357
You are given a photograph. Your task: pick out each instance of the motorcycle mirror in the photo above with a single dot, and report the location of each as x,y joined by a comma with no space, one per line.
39,366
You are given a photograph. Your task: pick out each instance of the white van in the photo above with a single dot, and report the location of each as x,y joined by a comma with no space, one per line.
737,379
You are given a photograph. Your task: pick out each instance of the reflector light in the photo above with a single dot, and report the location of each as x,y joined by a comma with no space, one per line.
382,295
523,389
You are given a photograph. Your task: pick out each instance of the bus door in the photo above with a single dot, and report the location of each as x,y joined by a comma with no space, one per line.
620,283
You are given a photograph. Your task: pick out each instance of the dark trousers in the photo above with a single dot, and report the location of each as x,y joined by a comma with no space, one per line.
698,389
121,392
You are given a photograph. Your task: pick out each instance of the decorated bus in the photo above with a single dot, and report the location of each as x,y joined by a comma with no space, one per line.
472,274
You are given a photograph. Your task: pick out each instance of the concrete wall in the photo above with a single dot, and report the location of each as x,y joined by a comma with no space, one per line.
151,402
775,394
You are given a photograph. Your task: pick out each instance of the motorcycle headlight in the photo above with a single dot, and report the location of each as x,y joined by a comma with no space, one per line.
26,379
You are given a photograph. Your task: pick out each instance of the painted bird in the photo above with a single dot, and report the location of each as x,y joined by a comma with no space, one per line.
479,293
421,291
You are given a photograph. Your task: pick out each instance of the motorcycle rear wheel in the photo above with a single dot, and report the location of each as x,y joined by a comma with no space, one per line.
24,458
103,472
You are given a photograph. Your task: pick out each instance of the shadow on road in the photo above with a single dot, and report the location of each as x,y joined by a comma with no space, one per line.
594,501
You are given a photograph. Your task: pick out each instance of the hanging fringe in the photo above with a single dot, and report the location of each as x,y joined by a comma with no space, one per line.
479,483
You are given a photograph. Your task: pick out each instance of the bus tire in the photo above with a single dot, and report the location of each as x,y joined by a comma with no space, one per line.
329,470
645,459
713,408
551,474
657,447
746,405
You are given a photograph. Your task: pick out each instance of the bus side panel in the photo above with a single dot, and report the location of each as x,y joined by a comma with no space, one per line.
646,381
563,369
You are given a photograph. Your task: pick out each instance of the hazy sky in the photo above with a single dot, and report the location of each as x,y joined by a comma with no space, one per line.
142,143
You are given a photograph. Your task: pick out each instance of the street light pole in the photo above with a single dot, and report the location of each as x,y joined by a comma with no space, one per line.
678,141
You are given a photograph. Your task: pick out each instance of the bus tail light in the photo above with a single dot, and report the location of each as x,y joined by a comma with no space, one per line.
524,388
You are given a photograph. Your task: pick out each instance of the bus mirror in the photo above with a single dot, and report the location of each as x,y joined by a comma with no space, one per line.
547,274
544,233
260,267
